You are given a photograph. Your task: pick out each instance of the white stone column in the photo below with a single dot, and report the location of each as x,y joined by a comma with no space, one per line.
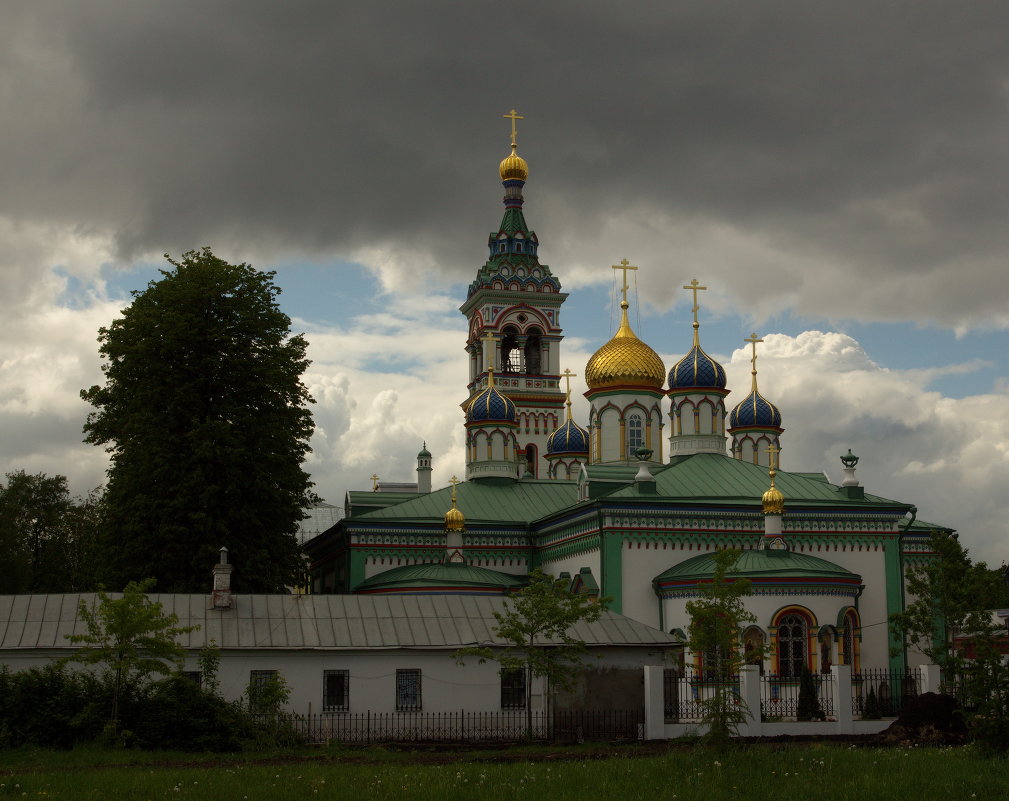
655,703
931,678
840,679
749,681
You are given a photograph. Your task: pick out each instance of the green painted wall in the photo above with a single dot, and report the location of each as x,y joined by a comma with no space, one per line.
894,596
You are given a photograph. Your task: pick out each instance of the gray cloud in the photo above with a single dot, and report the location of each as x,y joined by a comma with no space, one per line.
794,151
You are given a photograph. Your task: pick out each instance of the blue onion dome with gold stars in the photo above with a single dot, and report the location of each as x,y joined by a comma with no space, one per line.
490,406
569,438
625,361
697,369
755,410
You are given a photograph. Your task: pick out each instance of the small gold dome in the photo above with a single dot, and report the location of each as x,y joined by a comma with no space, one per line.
625,360
773,501
454,519
514,167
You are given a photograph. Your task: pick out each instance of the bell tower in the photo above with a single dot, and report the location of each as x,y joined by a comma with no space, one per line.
517,299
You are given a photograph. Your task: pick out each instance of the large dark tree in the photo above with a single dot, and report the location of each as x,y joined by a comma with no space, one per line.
205,416
47,538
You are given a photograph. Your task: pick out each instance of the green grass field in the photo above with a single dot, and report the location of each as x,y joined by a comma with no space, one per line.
829,772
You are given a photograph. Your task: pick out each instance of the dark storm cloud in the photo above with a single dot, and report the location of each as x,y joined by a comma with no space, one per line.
819,146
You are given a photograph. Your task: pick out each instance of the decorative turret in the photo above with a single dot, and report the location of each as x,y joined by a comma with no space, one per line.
455,525
624,378
567,446
773,504
755,423
491,447
424,470
697,397
850,487
518,300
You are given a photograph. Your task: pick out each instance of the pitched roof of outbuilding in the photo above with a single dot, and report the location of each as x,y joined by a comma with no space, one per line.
296,622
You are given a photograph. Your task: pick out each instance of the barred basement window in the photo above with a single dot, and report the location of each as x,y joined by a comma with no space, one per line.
194,676
408,698
261,678
513,688
335,690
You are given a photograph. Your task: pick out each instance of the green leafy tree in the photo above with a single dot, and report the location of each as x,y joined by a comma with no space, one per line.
951,595
47,538
717,618
131,637
536,629
206,418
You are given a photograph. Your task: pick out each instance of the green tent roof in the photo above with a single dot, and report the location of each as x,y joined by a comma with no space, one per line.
716,478
763,568
442,578
481,502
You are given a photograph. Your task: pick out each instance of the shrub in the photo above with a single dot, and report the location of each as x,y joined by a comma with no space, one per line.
871,711
809,705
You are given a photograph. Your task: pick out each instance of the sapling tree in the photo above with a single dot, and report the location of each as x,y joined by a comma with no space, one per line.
716,621
131,637
535,628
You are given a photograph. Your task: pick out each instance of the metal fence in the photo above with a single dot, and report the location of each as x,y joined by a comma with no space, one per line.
470,727
779,696
685,693
888,687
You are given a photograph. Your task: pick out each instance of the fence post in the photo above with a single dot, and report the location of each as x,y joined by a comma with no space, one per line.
749,680
931,678
655,703
840,678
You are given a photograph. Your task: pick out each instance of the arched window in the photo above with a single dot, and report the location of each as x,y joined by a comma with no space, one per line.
792,634
531,460
511,353
533,352
753,647
635,433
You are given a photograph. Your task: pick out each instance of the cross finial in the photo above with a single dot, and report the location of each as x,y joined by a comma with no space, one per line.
772,452
453,481
489,339
694,287
374,482
753,339
513,116
625,266
568,375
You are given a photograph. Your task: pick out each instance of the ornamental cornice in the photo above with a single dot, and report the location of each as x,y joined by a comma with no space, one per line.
783,590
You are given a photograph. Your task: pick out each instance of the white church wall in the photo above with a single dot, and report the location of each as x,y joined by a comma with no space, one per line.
639,565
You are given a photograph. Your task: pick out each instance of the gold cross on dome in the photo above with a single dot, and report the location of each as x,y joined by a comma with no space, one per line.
568,375
625,266
374,482
513,116
753,340
695,288
772,452
453,481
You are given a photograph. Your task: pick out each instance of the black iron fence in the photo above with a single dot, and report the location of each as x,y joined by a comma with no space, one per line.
685,693
882,692
471,727
780,696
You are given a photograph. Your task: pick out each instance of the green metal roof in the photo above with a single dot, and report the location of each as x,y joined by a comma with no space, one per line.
439,574
481,502
361,502
715,478
759,564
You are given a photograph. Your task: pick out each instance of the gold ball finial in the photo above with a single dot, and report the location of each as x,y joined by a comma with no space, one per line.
773,501
455,520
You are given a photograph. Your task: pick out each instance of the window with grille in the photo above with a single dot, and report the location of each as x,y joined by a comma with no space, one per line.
335,690
408,697
791,645
635,434
261,678
194,676
513,688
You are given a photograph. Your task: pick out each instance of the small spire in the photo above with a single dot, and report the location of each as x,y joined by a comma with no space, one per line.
773,501
374,482
454,518
568,375
753,340
695,287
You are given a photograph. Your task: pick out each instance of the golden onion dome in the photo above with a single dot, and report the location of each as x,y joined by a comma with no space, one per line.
455,520
625,360
514,167
773,501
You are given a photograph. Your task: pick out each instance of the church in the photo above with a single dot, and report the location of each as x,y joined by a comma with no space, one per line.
632,505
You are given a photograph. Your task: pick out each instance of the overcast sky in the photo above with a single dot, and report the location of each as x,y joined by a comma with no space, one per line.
837,174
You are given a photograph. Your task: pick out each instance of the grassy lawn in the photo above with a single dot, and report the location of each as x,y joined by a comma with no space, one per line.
830,772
